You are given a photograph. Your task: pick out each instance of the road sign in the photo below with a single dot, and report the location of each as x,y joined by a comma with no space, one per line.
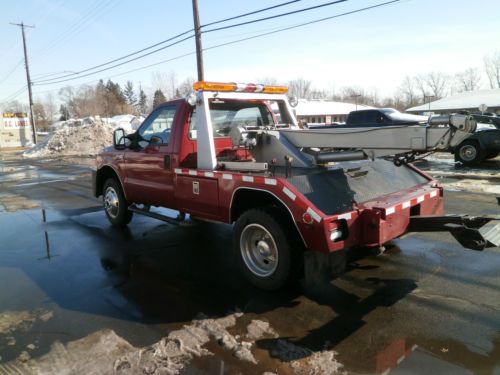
483,108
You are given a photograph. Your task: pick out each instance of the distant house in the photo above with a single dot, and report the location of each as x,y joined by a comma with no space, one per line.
469,100
325,112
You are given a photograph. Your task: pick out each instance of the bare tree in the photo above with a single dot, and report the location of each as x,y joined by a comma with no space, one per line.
492,68
266,80
50,107
67,96
165,82
184,88
408,89
437,83
300,87
421,85
468,80
353,94
40,115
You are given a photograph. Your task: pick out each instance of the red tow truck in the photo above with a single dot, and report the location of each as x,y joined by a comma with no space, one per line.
221,155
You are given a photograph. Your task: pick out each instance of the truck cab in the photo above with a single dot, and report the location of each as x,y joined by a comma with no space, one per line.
221,155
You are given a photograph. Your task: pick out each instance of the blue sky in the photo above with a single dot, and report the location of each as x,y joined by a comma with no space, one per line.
373,49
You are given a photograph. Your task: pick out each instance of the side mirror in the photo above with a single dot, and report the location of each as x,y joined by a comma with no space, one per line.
119,139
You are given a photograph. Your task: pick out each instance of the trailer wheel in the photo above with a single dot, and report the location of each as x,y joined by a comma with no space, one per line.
469,153
115,204
265,247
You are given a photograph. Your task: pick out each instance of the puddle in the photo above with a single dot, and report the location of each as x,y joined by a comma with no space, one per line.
424,306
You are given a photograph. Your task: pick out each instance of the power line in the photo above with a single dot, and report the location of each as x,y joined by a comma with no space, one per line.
250,13
245,39
275,16
121,58
15,94
113,66
94,11
164,41
17,66
304,24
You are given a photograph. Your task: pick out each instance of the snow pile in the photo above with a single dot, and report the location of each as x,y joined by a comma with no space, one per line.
129,123
112,354
87,138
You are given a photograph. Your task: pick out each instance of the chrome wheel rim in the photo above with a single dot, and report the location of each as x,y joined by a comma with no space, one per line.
259,250
111,202
468,153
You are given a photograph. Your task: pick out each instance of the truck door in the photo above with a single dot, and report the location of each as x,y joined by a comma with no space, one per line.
148,170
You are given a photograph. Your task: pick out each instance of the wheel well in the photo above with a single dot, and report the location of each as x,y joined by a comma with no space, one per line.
245,199
102,175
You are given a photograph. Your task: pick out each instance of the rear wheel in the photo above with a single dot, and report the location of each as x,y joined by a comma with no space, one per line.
266,248
469,153
115,204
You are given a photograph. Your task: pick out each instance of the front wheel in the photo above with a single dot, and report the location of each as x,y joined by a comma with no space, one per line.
267,250
469,153
115,204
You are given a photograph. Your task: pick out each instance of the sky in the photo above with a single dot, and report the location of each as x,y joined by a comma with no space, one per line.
373,49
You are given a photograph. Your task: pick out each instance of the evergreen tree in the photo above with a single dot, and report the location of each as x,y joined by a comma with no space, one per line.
64,113
142,104
129,94
158,98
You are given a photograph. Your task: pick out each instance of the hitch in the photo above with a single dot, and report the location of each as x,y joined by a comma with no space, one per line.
472,232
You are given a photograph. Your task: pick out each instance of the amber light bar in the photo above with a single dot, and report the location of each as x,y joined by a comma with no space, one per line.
239,87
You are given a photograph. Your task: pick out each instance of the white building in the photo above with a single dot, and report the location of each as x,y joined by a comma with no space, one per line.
322,111
469,100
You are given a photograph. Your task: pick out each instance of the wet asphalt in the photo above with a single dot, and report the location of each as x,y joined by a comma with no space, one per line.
423,306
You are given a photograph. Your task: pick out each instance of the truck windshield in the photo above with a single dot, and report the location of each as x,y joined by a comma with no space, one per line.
226,114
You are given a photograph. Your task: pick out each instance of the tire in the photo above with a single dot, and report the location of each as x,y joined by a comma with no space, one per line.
274,260
469,153
114,203
491,154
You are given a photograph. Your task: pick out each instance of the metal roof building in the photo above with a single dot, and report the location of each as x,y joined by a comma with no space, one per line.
469,100
319,111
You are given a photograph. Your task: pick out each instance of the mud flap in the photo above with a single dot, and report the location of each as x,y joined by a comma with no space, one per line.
472,232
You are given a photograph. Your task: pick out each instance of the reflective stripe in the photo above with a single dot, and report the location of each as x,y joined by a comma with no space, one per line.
192,172
209,174
178,171
313,214
346,216
390,210
248,178
227,176
434,193
270,181
406,204
290,194
421,198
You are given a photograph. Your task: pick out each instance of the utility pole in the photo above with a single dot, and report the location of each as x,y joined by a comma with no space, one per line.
197,34
356,96
30,94
429,97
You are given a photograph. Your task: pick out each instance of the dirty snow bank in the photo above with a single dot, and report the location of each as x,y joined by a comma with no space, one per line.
69,139
112,354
